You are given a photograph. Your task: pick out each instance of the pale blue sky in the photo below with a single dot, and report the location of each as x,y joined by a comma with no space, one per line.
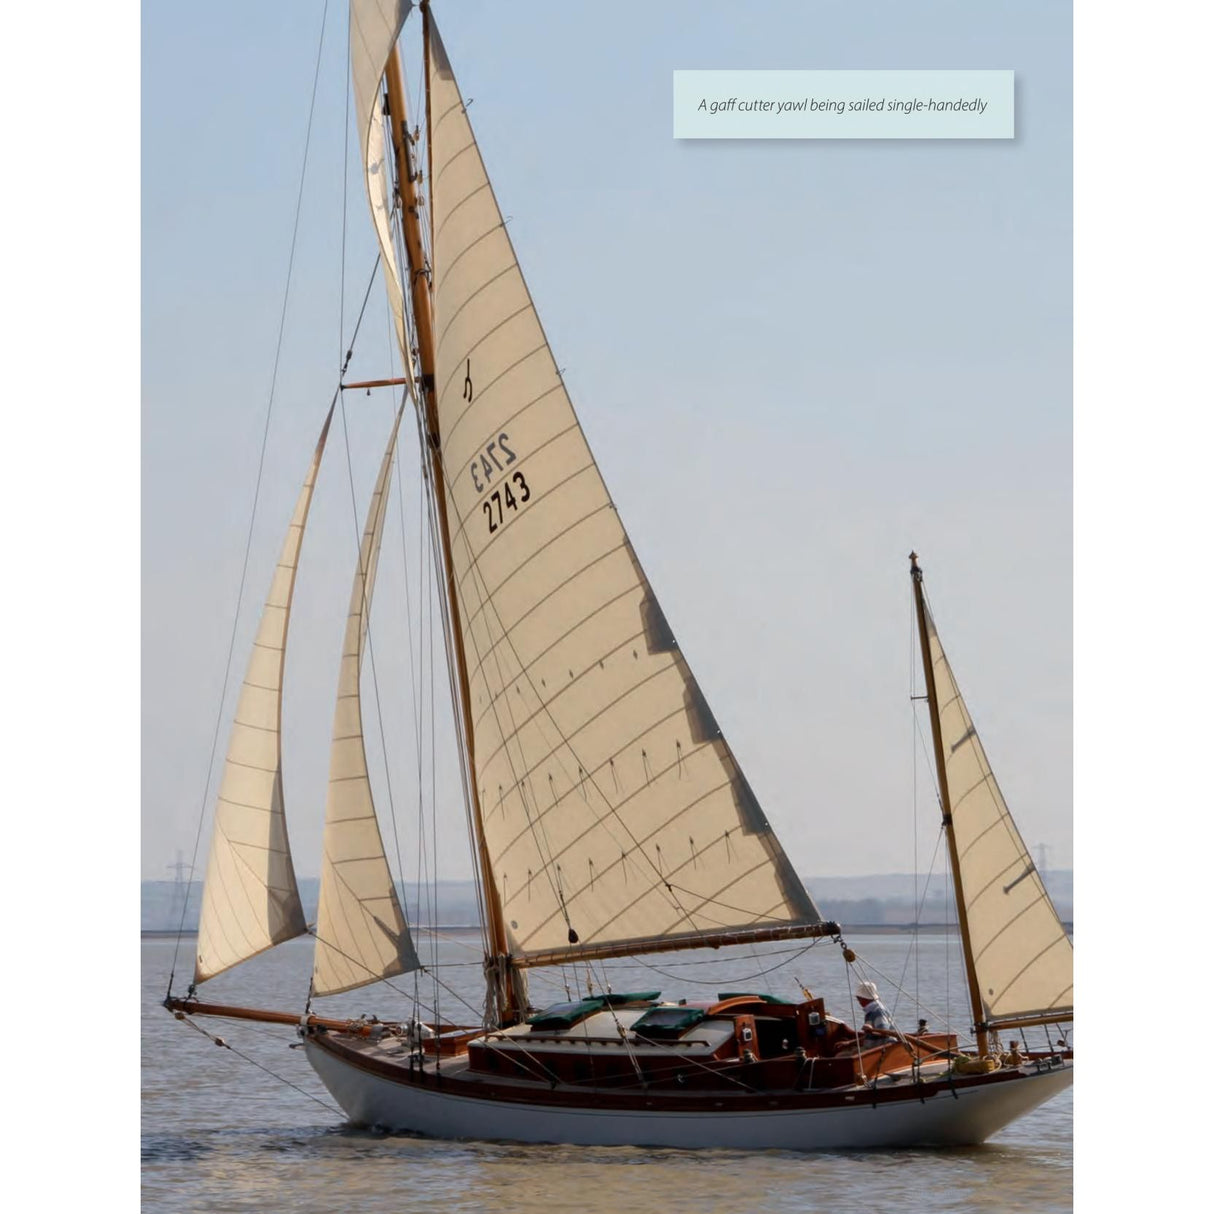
794,361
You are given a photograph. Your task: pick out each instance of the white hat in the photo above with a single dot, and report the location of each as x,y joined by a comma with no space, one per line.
866,990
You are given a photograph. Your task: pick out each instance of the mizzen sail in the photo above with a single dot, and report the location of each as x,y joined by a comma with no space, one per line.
613,809
361,933
1022,955
250,901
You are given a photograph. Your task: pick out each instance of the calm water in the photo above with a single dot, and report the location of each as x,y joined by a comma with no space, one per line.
220,1134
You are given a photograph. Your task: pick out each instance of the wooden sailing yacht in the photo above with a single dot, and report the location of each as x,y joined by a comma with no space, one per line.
609,815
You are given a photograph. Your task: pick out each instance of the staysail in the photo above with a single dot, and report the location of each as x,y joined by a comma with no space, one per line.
250,900
375,26
361,933
1022,955
614,812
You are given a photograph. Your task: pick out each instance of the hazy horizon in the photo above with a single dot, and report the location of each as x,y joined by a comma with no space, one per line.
870,898
819,877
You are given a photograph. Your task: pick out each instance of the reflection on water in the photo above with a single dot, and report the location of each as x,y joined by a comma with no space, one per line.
221,1135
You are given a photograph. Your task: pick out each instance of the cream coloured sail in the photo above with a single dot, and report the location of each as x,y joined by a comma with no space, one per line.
361,933
613,809
375,26
250,900
1022,954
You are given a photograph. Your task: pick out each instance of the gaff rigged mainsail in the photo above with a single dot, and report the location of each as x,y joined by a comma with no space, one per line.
614,813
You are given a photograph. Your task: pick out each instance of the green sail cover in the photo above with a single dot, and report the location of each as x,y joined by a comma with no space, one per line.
667,1023
566,1015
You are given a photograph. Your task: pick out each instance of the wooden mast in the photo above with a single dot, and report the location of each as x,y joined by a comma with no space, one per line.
498,963
946,807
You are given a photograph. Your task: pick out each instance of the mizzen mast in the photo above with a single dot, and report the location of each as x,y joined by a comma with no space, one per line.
933,703
498,963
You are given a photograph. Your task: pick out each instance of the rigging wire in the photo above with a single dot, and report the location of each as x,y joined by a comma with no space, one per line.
449,648
425,621
379,713
438,565
550,868
345,193
388,981
922,902
433,794
486,604
415,690
872,969
426,632
540,838
227,1045
370,639
416,666
915,806
948,968
333,400
1004,817
261,459
416,676
382,507
929,764
400,501
794,954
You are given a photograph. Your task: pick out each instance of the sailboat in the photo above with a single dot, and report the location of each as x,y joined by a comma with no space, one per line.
609,816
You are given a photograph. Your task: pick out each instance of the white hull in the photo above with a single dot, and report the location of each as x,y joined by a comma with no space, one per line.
967,1115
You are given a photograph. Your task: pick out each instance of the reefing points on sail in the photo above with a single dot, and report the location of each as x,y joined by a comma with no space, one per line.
611,806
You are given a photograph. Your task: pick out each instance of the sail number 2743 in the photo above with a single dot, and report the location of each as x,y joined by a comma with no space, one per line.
512,491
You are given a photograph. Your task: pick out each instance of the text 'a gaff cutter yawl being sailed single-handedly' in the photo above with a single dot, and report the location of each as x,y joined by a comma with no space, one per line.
609,816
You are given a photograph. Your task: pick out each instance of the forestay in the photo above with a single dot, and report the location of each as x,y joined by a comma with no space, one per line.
1022,954
361,933
613,809
250,900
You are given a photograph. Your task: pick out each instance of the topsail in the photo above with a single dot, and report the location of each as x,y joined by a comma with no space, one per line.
375,26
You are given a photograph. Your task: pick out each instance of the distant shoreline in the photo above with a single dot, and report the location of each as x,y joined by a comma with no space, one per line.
861,929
